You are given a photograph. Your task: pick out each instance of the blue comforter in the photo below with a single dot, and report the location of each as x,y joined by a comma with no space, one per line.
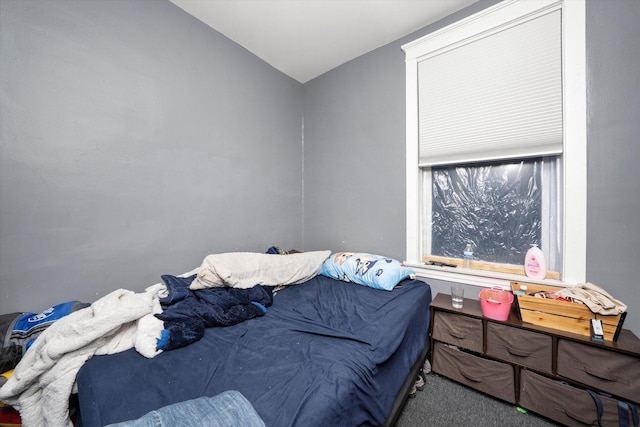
326,353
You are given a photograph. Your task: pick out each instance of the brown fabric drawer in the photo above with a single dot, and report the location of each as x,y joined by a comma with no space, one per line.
600,368
490,377
563,403
463,331
526,348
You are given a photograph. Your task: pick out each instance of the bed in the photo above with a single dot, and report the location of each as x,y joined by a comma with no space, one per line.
306,339
326,353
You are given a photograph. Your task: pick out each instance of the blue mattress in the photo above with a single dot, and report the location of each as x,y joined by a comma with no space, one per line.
326,353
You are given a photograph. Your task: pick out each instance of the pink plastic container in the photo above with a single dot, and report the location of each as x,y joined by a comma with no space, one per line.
495,303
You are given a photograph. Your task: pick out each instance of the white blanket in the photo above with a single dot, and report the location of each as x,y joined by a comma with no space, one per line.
247,269
45,377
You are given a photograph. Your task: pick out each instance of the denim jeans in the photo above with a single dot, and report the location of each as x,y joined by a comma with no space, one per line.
227,409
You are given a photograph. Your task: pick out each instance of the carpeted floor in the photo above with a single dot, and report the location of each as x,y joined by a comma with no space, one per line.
443,402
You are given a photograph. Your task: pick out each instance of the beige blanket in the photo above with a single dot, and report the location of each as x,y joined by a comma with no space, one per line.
247,269
593,296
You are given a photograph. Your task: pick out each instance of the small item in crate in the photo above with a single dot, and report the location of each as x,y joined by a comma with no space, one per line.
521,291
550,295
597,334
540,294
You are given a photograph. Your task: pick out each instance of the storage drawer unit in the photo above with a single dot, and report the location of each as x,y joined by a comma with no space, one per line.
544,370
618,374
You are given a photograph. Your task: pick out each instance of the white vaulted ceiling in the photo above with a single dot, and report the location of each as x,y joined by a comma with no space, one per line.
305,38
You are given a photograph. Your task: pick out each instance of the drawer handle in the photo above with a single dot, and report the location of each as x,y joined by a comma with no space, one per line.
456,334
471,377
519,353
602,375
578,417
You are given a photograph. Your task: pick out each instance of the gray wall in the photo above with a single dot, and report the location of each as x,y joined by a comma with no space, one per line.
134,141
354,164
613,133
355,153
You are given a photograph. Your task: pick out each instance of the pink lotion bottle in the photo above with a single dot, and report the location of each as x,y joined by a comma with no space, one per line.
535,266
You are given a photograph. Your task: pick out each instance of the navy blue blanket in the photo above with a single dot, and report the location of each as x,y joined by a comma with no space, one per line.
187,313
326,353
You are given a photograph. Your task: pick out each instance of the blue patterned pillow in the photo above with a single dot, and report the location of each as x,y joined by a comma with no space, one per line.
370,270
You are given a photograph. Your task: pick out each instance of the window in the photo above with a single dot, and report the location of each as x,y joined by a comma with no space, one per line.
496,110
498,208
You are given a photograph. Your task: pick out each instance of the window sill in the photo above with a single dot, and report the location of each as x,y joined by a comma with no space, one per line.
482,278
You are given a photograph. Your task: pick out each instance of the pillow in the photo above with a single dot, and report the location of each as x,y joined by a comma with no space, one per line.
375,271
247,269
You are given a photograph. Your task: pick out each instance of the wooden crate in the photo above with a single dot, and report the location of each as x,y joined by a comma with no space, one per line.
563,315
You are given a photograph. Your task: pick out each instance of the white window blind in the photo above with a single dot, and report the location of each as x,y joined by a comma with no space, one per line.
494,96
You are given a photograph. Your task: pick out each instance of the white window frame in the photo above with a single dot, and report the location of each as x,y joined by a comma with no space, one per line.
574,138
